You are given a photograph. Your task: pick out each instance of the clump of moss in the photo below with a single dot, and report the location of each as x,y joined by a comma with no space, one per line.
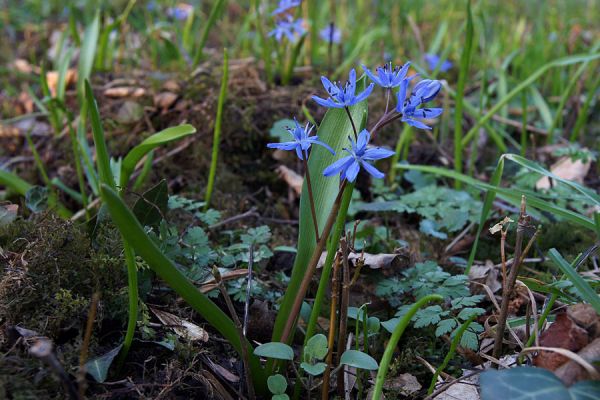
50,273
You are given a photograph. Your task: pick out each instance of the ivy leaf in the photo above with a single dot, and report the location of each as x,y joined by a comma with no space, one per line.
445,326
150,209
98,367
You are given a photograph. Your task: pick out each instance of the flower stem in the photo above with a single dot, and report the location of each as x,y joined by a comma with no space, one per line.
312,266
133,301
396,335
311,198
387,100
352,122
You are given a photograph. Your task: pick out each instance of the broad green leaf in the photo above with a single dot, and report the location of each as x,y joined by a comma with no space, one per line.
334,131
445,326
277,384
98,367
151,208
587,292
313,369
131,229
530,383
316,347
102,155
158,139
358,359
14,183
276,350
87,53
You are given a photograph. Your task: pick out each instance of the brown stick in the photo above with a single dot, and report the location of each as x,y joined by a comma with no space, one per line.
238,325
519,256
345,298
335,287
312,266
83,355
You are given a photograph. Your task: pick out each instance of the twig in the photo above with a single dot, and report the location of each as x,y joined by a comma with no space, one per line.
335,287
42,349
83,355
344,300
238,325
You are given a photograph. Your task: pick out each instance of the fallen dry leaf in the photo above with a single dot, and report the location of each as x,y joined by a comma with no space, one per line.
566,168
181,327
290,177
563,333
125,91
211,284
373,261
165,100
571,372
52,79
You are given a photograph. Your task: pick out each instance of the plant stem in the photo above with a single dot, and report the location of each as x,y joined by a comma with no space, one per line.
240,329
335,287
311,198
344,300
352,122
312,266
396,335
217,131
132,294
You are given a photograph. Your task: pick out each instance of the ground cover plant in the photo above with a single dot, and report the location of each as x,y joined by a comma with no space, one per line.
299,199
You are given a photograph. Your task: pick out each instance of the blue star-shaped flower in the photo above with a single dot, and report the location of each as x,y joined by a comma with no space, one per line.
388,77
285,5
289,28
302,141
433,60
331,34
349,166
340,97
424,91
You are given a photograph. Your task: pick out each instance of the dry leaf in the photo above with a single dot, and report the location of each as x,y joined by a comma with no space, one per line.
211,284
181,327
373,261
52,78
165,100
125,91
566,168
290,177
500,225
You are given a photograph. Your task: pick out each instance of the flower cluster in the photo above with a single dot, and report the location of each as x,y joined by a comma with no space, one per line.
410,109
285,5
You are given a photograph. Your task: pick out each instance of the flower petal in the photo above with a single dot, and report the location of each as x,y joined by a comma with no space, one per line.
364,94
352,171
372,170
329,87
363,139
402,96
327,103
338,166
324,145
415,123
283,146
377,153
299,152
371,76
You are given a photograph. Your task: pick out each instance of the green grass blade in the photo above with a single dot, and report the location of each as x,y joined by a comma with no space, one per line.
587,293
488,201
130,228
465,61
158,139
212,18
87,54
14,183
562,62
217,131
334,130
102,156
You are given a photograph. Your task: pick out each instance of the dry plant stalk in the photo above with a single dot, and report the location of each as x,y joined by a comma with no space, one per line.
83,355
335,288
344,301
522,226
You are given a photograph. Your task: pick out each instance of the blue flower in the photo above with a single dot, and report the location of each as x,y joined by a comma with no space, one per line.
181,12
388,77
289,28
433,60
331,34
349,166
302,141
340,97
423,92
285,5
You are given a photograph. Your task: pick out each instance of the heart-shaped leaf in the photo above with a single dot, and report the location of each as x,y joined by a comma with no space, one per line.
358,359
279,351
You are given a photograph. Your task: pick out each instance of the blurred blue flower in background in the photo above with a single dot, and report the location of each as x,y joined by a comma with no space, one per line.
423,92
331,34
285,5
433,60
302,141
180,12
340,97
388,77
349,166
289,28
